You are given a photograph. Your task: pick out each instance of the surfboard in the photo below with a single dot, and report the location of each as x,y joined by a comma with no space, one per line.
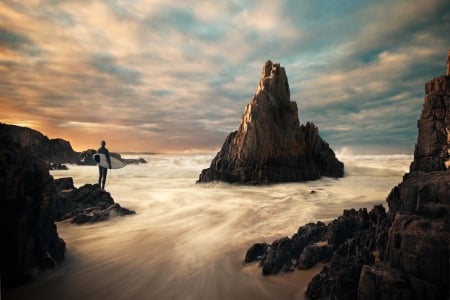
115,163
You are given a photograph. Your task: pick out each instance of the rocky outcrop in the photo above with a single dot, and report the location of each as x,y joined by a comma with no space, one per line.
51,150
87,204
432,150
31,201
354,234
29,239
270,144
399,254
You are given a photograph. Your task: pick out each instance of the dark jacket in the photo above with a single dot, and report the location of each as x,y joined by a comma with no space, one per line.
106,152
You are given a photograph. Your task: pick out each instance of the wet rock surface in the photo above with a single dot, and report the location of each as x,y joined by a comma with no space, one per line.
87,204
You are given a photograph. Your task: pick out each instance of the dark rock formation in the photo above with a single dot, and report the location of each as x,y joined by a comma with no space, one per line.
87,204
256,252
55,166
319,242
51,150
431,150
30,240
31,201
401,254
270,144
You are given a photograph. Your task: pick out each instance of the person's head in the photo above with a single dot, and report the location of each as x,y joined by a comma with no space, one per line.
103,143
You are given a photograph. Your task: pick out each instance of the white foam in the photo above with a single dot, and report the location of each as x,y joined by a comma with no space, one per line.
188,241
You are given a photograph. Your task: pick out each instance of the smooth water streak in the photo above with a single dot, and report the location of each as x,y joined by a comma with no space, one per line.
188,241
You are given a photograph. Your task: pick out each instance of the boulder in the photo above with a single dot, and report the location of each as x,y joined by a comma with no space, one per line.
270,144
256,252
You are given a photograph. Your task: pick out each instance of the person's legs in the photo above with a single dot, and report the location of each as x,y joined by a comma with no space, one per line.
104,174
100,173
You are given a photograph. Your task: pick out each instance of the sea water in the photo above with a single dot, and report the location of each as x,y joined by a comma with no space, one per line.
188,240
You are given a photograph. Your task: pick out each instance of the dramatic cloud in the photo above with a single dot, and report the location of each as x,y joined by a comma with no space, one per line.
176,76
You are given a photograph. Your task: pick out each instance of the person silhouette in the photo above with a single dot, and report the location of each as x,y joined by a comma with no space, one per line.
103,172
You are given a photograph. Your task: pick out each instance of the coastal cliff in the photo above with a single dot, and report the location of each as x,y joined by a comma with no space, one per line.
55,151
270,144
399,254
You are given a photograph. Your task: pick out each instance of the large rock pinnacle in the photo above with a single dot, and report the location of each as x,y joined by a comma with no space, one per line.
270,145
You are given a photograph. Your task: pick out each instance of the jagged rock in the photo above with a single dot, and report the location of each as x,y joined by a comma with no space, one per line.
340,278
29,238
278,257
312,254
270,144
86,204
344,227
283,254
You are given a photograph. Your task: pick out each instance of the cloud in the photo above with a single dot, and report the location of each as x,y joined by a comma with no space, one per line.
105,63
169,75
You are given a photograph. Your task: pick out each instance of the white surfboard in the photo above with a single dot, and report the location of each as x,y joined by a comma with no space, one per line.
115,163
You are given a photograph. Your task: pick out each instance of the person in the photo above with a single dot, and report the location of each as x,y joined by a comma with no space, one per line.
103,172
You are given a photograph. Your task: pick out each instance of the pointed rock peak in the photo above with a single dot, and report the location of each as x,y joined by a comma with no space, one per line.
274,81
270,145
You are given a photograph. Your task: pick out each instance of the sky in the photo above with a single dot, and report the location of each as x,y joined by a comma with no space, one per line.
175,76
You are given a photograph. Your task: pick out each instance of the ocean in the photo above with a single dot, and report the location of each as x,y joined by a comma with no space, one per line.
188,240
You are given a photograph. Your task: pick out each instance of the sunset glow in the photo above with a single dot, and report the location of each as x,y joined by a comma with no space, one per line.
167,76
